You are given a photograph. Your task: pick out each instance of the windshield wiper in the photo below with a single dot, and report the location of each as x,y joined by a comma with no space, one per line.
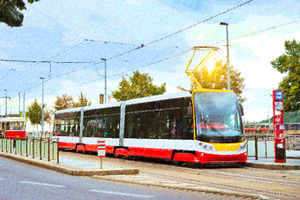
210,125
214,129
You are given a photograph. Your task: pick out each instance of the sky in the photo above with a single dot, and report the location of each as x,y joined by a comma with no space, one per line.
65,43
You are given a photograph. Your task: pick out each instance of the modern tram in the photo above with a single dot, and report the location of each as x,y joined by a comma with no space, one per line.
12,127
202,127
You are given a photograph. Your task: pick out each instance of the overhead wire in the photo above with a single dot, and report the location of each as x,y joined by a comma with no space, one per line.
181,30
137,48
236,38
172,56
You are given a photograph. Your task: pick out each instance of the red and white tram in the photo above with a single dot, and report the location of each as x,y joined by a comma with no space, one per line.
205,127
12,127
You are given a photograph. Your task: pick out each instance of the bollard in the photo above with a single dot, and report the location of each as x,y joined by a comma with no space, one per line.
15,144
266,148
256,149
48,149
57,150
285,139
41,148
26,146
11,146
32,147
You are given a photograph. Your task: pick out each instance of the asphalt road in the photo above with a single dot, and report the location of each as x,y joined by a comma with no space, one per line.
20,181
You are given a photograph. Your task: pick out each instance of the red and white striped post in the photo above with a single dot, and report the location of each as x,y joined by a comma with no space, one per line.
101,150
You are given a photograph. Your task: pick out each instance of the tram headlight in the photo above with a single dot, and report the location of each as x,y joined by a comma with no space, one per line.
243,146
207,147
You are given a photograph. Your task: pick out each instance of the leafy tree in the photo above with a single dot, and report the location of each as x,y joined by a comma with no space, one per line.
82,101
63,102
139,85
289,63
217,79
34,113
48,117
289,117
9,12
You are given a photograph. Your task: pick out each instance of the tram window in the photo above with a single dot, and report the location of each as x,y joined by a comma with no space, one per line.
102,126
7,126
154,120
129,130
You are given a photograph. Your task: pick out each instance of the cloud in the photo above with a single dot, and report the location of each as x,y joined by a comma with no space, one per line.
256,115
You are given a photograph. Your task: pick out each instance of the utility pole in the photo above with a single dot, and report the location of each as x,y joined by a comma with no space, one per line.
105,79
42,78
5,97
5,102
228,74
19,103
23,105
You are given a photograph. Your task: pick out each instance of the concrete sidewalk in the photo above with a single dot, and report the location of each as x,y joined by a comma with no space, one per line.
73,167
292,162
81,167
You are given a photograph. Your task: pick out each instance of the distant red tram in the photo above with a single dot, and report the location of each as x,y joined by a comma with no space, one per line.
12,127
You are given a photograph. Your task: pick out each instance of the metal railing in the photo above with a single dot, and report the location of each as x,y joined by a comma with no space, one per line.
262,146
42,148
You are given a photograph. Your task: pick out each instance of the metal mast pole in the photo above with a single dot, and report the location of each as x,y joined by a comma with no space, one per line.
42,104
19,103
105,78
24,105
5,102
228,66
227,44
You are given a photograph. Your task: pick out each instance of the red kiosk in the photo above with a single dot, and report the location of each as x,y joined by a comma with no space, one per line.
278,122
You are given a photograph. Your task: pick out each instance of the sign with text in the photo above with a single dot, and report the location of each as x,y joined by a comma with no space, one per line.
101,148
278,105
278,121
278,95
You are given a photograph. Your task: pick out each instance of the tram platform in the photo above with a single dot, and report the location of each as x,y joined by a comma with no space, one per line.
74,166
292,162
79,166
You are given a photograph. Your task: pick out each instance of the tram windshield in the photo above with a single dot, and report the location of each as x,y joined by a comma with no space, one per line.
218,117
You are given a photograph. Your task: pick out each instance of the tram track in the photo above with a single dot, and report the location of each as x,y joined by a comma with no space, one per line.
259,177
223,186
272,184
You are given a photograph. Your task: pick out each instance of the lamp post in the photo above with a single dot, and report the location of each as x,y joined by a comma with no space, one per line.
5,102
42,78
19,103
228,74
105,77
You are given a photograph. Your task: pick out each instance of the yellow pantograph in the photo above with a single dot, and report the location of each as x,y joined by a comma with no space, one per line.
191,71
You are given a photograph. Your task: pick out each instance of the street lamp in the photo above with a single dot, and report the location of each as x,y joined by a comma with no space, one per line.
5,102
42,78
105,77
228,74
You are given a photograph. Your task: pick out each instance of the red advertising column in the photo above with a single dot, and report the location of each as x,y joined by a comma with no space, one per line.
278,122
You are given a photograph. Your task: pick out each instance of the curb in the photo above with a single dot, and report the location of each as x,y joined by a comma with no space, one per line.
74,172
273,166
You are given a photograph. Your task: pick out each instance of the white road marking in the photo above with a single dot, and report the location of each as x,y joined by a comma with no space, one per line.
2,179
119,193
263,197
42,184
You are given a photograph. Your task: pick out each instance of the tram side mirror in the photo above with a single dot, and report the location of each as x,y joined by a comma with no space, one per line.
242,109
